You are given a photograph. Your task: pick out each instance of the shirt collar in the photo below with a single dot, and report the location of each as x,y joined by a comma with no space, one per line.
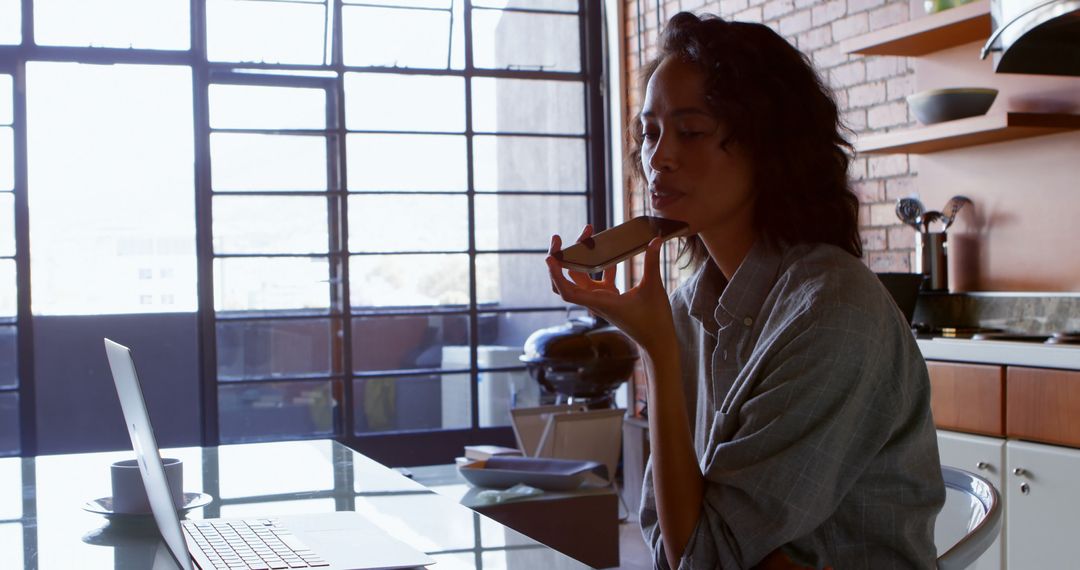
714,299
753,280
704,288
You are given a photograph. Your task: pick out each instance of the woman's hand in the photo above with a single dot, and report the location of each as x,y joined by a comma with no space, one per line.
643,312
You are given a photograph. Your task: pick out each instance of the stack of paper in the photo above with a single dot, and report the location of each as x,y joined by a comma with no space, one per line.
481,452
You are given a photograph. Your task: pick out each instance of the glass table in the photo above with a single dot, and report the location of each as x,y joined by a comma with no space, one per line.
583,523
43,525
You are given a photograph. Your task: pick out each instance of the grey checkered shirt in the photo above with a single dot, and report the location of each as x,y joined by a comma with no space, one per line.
810,410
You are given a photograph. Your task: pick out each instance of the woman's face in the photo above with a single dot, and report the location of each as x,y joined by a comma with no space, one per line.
691,176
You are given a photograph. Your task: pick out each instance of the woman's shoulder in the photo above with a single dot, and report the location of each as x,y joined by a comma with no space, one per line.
825,278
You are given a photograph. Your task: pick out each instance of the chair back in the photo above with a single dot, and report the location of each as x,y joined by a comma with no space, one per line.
970,520
592,435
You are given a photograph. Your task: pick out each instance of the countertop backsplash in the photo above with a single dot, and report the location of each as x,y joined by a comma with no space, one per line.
1029,313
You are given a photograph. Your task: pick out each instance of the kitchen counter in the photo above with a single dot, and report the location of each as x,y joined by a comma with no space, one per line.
1002,352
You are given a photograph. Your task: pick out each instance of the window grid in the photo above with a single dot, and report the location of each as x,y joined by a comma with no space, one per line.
340,312
342,248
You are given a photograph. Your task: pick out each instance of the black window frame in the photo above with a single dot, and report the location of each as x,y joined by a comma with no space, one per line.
398,448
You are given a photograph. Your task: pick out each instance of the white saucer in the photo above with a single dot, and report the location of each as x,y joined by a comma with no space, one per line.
103,506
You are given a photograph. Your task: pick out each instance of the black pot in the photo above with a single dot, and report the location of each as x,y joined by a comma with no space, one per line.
584,358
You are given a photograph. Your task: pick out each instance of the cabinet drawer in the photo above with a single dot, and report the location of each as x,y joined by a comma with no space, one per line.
1042,501
984,456
968,397
1044,405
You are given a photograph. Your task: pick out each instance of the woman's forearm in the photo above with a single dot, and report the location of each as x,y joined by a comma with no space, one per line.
677,480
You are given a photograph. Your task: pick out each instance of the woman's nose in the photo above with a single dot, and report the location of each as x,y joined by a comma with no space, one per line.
663,155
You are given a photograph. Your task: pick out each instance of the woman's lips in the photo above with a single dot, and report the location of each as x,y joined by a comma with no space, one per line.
663,197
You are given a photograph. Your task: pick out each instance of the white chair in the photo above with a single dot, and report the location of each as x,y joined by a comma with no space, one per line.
592,435
570,432
970,520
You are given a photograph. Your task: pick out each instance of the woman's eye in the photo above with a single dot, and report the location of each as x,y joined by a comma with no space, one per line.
649,135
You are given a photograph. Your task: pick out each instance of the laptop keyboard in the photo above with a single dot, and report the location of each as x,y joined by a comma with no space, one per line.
249,544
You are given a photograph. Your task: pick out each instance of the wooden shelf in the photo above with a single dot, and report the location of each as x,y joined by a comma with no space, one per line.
967,132
949,28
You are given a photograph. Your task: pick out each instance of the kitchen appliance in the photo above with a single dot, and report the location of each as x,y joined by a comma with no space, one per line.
989,334
1064,337
1035,36
583,362
904,289
1008,336
963,332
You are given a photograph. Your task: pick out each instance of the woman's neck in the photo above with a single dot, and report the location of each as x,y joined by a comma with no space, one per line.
728,246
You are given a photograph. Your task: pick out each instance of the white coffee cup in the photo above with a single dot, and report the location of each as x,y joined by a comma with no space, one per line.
128,492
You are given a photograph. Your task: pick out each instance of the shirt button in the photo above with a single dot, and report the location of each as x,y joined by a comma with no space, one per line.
748,321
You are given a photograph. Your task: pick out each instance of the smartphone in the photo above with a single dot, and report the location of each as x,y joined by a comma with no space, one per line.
618,243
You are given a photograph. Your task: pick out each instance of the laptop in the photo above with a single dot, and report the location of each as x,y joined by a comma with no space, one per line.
330,541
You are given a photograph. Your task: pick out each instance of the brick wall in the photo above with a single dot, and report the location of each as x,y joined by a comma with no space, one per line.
869,90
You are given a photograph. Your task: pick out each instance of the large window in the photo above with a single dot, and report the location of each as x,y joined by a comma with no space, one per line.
318,218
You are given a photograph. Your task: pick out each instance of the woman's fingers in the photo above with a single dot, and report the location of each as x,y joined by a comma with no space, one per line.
556,245
559,284
652,262
579,288
586,232
609,276
571,292
581,279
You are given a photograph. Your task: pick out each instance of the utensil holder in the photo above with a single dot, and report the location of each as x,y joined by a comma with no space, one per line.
931,259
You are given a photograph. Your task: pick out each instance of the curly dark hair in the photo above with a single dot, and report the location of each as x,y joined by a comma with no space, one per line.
775,105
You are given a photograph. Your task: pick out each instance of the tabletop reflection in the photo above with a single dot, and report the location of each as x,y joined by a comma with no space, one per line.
41,514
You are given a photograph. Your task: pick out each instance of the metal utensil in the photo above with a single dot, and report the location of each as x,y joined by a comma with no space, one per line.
910,211
952,207
929,218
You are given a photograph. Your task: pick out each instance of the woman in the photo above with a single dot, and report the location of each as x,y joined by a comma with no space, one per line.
789,406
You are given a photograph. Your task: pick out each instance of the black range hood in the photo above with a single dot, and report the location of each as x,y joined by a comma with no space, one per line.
1035,36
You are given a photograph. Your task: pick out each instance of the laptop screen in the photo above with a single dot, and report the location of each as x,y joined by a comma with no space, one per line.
146,450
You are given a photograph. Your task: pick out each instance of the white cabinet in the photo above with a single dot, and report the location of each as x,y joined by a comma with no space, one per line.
984,456
1042,491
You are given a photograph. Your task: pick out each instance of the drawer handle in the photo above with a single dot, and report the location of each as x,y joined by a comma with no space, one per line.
1024,488
1020,472
982,466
